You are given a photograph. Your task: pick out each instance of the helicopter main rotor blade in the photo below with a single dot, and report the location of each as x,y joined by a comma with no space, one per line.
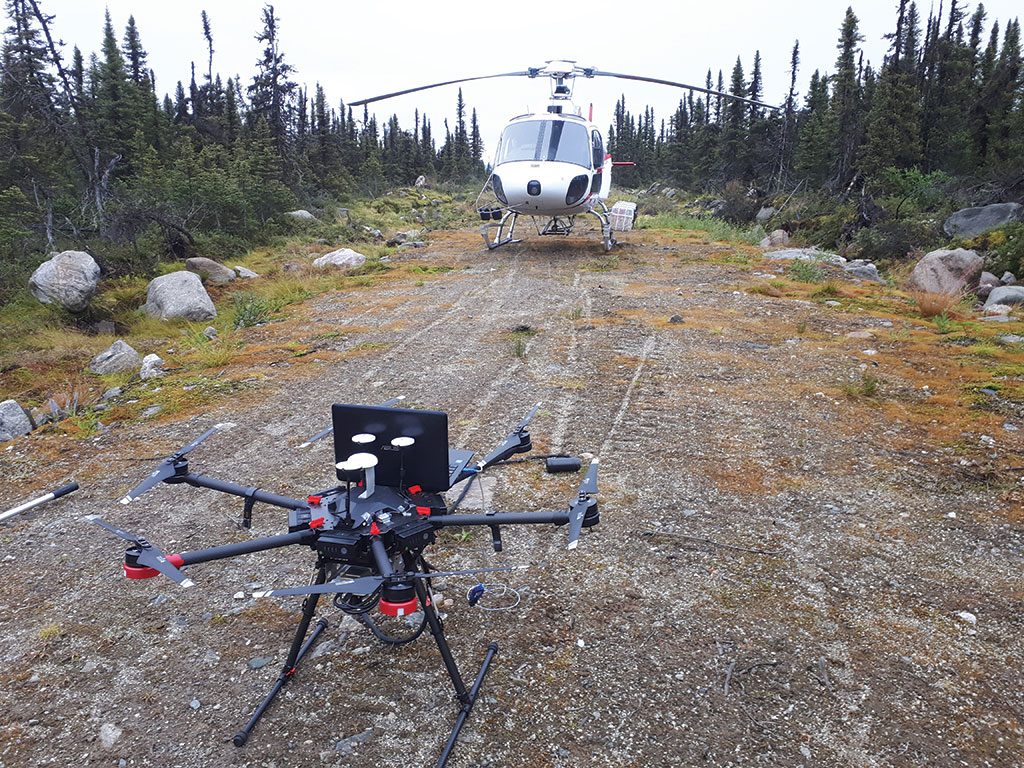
361,102
659,81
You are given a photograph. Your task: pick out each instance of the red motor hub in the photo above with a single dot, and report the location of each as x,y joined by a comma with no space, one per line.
398,609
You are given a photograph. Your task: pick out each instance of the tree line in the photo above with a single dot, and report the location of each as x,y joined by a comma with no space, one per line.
947,99
96,154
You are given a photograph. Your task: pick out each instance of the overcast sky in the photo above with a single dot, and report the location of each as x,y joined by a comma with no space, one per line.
360,49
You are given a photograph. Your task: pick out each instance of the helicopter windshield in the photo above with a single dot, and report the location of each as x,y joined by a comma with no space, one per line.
559,140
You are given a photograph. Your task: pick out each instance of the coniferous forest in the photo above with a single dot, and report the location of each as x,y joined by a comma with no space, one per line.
102,157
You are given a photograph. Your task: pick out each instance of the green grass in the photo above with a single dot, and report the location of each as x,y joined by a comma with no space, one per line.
806,271
868,386
716,229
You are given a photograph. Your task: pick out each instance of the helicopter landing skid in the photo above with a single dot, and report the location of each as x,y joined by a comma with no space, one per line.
501,237
606,229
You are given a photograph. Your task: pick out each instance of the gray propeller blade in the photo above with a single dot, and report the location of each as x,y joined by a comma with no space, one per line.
361,102
578,509
367,585
165,469
529,417
149,556
659,81
508,446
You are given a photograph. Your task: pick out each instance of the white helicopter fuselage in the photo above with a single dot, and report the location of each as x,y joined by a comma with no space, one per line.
551,164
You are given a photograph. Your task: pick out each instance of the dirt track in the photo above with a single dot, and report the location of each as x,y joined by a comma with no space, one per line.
775,581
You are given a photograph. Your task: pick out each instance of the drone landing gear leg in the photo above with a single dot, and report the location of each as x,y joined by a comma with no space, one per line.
295,655
465,697
500,239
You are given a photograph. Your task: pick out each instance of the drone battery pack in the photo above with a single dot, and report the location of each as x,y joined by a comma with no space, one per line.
555,464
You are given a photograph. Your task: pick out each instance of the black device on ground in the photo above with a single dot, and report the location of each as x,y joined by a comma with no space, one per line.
370,537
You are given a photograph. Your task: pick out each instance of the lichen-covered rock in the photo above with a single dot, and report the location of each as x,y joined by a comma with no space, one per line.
210,270
775,239
69,279
245,273
14,422
343,258
947,271
971,222
152,367
179,296
301,215
806,254
863,270
118,357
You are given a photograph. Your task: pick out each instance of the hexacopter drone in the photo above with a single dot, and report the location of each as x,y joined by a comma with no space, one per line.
369,532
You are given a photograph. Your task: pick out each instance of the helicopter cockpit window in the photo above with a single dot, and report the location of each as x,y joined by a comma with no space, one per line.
558,140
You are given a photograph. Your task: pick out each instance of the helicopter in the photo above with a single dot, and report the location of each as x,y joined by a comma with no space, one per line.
369,531
553,165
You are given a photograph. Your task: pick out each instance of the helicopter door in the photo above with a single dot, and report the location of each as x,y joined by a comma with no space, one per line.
597,150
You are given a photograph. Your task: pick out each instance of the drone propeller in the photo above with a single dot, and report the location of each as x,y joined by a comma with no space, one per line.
517,441
578,509
367,585
165,468
330,428
148,555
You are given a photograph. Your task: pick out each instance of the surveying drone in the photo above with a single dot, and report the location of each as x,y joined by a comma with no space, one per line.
552,165
370,530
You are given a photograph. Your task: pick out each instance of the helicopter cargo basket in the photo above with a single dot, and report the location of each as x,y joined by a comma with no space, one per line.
621,216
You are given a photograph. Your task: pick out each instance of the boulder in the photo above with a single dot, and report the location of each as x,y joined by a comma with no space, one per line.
1006,294
69,279
863,270
987,278
118,357
971,222
301,215
775,239
983,290
14,422
400,237
946,271
152,367
210,270
343,258
421,181
1008,278
765,213
179,296
806,254
997,310
245,273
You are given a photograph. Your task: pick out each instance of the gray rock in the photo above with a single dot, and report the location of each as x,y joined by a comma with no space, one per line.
118,357
347,746
14,421
863,270
259,662
676,319
210,332
410,244
246,273
996,319
111,393
151,411
179,296
806,254
1006,295
946,271
301,215
983,291
344,258
109,735
69,279
401,237
195,704
775,239
987,278
997,310
1011,338
765,213
152,367
375,233
421,181
1008,278
971,222
210,270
